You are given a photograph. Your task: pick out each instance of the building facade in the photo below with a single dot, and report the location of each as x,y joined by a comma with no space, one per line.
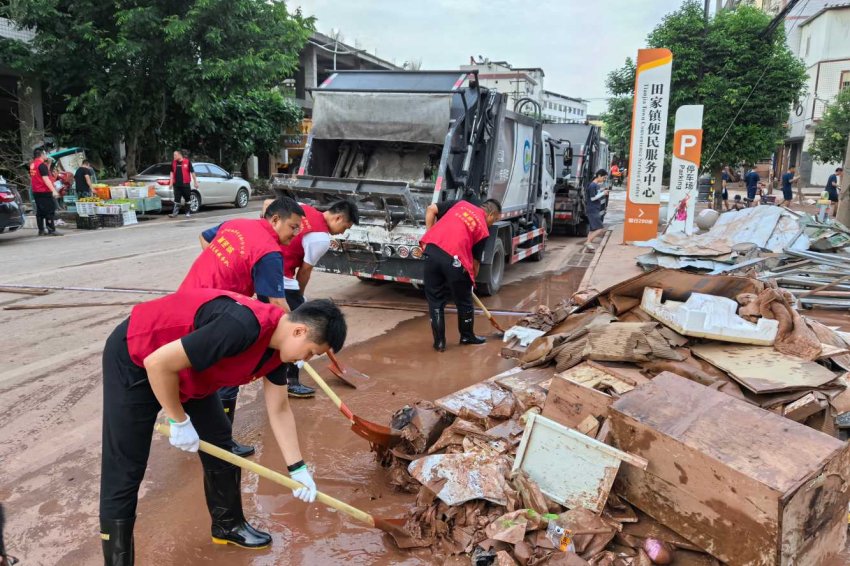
563,109
21,108
516,82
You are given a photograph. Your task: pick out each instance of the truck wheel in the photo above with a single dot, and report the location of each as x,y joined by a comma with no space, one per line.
492,274
581,229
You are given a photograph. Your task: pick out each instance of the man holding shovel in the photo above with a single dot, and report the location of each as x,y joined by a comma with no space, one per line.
173,354
453,246
245,257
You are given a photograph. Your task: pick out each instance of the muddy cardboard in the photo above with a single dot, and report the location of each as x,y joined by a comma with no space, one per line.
748,486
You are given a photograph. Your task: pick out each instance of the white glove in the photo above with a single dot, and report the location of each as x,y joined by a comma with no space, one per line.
307,494
184,436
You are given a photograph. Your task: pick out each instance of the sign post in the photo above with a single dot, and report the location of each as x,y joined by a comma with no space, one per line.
684,172
646,153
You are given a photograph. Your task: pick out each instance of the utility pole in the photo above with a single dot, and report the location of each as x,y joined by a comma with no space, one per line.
843,215
705,11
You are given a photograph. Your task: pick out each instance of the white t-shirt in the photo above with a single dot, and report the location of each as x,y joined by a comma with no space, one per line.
315,245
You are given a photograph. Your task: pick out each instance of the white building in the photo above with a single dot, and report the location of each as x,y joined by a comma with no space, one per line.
516,82
820,36
559,108
20,96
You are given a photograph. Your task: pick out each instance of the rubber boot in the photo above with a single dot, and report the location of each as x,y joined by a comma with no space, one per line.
116,540
466,323
224,501
242,450
438,329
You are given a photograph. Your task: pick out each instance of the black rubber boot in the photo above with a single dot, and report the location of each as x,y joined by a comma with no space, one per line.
438,329
116,540
224,500
238,449
466,324
296,389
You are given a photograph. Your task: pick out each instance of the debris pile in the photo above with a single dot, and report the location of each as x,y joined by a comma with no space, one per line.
629,432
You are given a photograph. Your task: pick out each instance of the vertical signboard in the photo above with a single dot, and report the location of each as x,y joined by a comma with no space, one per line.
684,172
646,153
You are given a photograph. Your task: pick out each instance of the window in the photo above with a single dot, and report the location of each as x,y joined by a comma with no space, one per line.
845,80
217,171
160,169
201,170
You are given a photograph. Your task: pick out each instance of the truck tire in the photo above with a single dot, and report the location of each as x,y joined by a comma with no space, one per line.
492,274
580,229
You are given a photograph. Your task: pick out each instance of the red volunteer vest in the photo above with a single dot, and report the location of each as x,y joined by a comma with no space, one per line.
229,260
38,184
293,254
184,166
156,323
463,226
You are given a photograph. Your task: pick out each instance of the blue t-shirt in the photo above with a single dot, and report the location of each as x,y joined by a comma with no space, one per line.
267,273
752,180
724,176
786,181
829,182
593,206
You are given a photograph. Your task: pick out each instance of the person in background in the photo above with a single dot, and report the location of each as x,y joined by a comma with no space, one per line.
183,178
753,182
788,179
44,193
616,174
83,179
725,177
832,185
593,194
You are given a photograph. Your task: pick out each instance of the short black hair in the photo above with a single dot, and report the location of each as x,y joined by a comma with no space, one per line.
602,173
36,153
837,169
491,205
348,208
325,321
283,207
85,162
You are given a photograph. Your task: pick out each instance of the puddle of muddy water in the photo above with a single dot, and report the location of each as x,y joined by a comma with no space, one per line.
403,368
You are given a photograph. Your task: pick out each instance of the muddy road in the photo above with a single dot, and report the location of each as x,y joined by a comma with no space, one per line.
50,405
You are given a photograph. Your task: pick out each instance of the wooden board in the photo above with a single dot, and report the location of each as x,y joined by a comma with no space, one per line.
569,403
527,378
761,369
722,472
570,468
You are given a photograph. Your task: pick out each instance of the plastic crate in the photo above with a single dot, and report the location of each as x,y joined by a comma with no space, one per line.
111,220
86,208
117,192
129,218
88,222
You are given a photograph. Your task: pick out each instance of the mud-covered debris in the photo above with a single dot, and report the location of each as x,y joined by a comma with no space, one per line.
458,478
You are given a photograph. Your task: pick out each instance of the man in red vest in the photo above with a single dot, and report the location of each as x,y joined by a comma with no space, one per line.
245,257
173,354
182,179
453,246
301,255
44,194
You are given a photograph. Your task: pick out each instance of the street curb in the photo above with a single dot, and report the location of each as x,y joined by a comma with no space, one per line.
597,257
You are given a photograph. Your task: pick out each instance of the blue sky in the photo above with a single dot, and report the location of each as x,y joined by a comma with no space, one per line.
576,42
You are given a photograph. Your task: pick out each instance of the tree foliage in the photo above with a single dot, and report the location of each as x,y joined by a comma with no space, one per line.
719,66
164,73
830,142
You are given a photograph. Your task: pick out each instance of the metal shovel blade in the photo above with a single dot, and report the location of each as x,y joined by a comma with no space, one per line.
348,375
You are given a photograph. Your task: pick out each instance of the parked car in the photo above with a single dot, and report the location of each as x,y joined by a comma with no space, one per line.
11,207
215,185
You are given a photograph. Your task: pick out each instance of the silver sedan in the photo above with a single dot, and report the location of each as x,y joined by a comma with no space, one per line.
215,185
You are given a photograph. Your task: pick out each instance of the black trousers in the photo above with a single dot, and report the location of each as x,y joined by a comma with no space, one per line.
443,280
183,192
45,211
130,409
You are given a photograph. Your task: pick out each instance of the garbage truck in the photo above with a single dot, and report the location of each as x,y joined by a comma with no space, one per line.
396,141
582,151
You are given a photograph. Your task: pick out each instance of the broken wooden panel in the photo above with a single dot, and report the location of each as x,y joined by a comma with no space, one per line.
570,468
727,475
569,403
762,369
805,407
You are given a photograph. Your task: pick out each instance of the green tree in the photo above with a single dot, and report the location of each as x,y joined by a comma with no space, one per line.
719,66
161,73
831,135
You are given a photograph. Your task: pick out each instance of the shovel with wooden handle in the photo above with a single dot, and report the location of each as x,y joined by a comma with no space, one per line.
376,434
493,322
394,527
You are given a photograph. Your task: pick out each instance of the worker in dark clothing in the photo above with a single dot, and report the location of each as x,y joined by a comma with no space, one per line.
753,182
453,246
725,177
44,193
832,189
593,194
83,179
183,178
173,354
788,178
245,257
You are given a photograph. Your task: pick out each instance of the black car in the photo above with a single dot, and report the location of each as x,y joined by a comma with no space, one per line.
11,207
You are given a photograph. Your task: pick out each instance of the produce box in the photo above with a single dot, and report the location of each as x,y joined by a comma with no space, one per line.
101,191
137,192
88,222
749,486
117,192
129,218
111,220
